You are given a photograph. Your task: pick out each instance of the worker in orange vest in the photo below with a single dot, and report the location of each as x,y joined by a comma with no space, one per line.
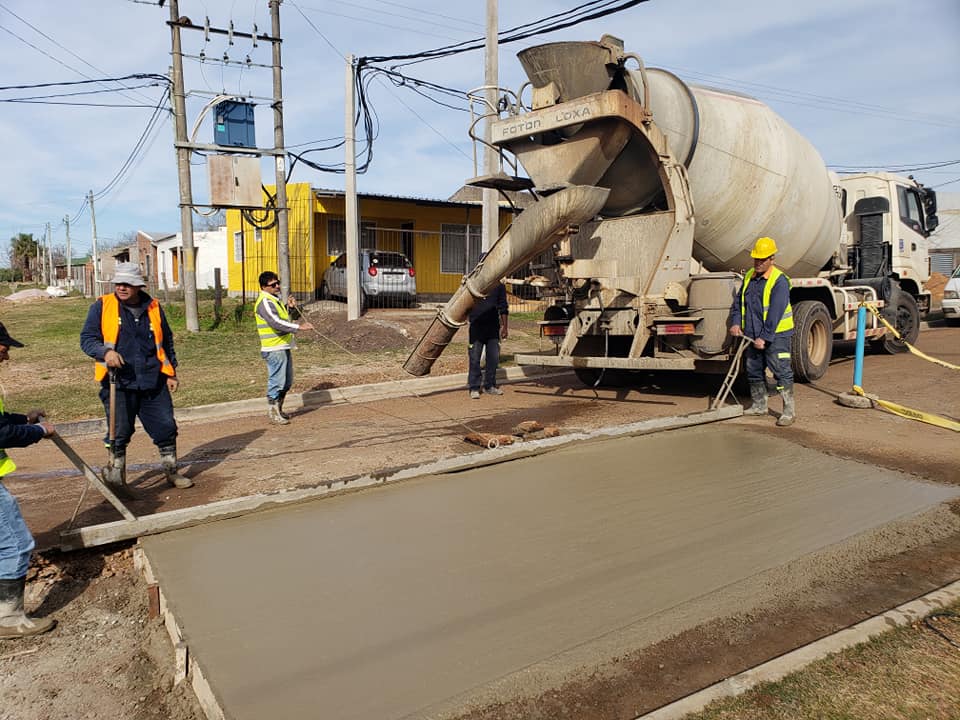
127,334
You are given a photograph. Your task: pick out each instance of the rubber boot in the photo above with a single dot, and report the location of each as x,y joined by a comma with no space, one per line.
14,622
168,458
758,396
276,416
789,413
115,474
280,407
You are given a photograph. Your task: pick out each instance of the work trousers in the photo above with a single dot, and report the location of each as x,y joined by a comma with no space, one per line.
153,407
776,357
279,373
488,375
16,542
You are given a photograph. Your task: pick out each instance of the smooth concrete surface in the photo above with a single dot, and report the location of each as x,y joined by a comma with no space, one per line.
398,601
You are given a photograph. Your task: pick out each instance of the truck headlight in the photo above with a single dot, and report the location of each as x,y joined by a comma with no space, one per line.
951,295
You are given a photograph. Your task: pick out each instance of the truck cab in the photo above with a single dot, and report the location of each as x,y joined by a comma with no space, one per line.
887,220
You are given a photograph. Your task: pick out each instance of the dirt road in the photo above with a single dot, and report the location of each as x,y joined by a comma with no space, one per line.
239,456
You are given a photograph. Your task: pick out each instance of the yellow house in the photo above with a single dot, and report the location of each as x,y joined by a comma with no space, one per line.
441,238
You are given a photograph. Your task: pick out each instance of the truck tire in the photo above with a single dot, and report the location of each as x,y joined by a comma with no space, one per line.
812,345
901,312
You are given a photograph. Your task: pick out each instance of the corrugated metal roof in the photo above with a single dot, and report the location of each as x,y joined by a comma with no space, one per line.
461,198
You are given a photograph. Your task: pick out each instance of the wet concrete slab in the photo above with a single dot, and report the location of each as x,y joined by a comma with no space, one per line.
405,600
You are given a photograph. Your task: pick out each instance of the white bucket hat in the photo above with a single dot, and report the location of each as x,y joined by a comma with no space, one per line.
128,273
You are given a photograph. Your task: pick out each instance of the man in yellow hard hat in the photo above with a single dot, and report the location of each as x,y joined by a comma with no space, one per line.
762,312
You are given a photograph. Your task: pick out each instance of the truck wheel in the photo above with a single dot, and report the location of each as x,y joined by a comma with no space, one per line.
904,315
812,345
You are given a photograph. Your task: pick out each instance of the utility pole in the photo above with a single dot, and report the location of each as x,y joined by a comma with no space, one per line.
46,260
350,195
283,236
96,254
491,209
66,221
183,174
53,271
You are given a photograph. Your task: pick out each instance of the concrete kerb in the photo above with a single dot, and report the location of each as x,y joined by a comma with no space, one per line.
318,398
791,662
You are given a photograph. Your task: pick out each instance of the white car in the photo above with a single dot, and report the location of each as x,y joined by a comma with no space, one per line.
385,276
951,298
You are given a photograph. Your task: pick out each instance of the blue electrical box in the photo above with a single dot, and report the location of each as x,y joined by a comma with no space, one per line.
233,124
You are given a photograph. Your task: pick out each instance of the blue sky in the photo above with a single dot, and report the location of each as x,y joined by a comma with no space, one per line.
869,82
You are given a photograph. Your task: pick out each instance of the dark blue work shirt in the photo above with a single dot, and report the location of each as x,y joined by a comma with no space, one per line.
135,343
485,315
753,325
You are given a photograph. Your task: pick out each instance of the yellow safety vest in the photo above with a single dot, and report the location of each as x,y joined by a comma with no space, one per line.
268,336
110,329
7,465
786,322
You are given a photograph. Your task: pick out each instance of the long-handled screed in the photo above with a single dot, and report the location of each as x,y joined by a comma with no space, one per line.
92,478
727,386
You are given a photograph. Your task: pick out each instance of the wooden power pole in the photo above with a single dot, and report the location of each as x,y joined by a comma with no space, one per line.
183,175
490,229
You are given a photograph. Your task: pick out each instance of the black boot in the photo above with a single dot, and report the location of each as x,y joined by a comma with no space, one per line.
168,458
115,474
758,394
280,411
789,414
14,622
273,411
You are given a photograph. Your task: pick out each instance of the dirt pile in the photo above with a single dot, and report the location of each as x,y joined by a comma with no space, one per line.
935,285
367,333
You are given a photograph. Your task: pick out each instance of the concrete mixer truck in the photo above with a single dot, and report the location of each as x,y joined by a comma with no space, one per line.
650,193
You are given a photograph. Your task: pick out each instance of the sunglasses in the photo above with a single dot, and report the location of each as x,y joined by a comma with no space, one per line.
275,283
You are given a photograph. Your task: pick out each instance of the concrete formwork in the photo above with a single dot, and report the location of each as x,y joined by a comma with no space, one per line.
414,600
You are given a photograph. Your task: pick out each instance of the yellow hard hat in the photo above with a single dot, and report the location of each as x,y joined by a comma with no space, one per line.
763,248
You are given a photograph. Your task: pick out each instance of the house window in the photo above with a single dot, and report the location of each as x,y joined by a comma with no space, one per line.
238,247
337,235
459,248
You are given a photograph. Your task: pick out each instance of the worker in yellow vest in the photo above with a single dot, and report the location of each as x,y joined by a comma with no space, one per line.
762,312
16,542
126,332
276,330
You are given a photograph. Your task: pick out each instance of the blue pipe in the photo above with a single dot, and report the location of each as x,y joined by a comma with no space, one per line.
858,362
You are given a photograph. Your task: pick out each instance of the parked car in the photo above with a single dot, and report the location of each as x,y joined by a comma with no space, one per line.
385,276
951,298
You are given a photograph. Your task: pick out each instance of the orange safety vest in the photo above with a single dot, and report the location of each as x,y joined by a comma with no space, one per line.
110,329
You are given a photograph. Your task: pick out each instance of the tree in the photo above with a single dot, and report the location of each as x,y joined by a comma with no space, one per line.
23,255
210,222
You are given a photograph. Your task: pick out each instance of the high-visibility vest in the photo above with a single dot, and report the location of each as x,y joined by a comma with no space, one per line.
7,465
268,336
786,322
110,329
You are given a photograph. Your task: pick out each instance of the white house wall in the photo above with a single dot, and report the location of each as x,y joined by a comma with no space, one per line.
211,252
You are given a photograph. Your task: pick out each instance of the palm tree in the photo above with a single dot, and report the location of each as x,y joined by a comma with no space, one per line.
23,255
